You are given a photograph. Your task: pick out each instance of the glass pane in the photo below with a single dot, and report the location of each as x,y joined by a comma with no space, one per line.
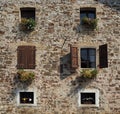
83,54
92,58
87,98
91,15
92,65
26,97
83,64
82,15
92,51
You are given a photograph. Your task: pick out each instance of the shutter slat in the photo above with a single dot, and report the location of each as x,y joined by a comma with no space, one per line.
74,57
103,56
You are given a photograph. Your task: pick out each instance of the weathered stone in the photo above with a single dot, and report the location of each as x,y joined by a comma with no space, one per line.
57,84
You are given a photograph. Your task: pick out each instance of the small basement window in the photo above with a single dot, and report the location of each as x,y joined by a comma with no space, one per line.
26,98
28,13
89,98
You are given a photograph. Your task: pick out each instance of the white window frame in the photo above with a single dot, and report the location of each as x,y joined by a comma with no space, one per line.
21,104
96,91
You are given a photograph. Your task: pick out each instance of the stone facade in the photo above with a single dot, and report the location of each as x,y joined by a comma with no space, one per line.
56,91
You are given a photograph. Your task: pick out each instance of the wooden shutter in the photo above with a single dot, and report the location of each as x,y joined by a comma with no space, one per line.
103,56
21,57
31,57
26,57
74,57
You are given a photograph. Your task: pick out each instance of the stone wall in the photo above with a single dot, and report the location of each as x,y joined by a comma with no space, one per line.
57,20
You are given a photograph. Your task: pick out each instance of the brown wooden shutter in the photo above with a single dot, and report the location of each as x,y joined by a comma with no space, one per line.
21,57
26,57
103,56
74,57
31,57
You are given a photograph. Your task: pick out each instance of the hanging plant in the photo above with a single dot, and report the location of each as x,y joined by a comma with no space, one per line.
27,24
87,73
25,76
91,23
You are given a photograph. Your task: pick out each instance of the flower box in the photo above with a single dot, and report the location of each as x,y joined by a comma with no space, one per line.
27,24
89,23
88,73
25,76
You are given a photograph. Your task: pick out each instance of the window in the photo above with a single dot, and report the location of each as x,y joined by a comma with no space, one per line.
87,12
26,57
28,13
88,58
89,98
26,98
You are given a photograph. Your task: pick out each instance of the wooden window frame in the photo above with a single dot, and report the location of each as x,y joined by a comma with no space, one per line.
88,57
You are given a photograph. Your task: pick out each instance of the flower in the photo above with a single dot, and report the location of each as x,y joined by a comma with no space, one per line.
25,75
92,23
87,73
27,24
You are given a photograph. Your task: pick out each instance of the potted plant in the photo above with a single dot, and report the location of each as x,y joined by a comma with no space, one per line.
25,76
88,22
27,24
88,73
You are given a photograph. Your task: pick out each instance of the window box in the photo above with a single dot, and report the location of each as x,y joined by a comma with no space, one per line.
88,73
89,23
25,76
27,24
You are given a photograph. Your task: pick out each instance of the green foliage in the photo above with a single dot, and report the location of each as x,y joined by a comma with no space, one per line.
87,73
25,76
92,23
27,24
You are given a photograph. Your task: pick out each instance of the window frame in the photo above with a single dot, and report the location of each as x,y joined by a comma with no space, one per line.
87,11
88,56
96,91
34,97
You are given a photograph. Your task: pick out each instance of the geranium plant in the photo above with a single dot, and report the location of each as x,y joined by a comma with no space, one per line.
25,76
91,23
27,24
88,73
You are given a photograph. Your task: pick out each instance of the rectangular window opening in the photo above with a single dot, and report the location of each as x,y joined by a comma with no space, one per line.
88,58
28,13
26,98
89,98
88,12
